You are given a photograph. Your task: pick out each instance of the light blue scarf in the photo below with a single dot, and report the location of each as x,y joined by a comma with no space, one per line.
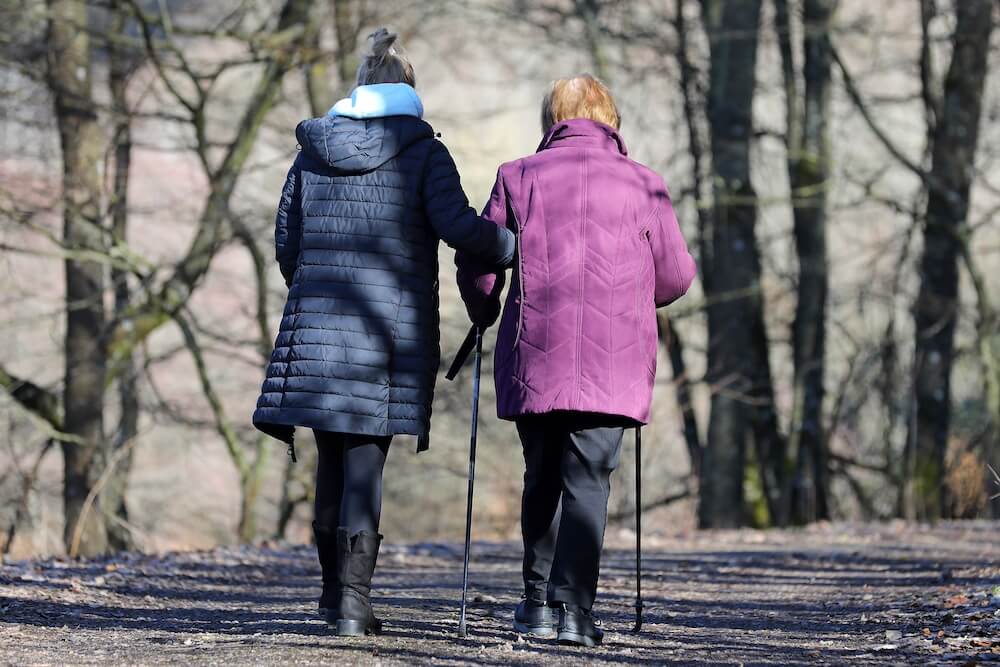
379,100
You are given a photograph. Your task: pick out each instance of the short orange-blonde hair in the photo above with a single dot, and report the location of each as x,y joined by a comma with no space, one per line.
583,96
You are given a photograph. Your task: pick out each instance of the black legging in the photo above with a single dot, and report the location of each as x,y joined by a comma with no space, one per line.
349,480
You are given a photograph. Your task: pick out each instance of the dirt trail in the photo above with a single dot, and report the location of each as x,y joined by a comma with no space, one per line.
834,594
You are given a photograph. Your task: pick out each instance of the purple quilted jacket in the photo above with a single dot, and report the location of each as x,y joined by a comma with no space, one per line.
599,250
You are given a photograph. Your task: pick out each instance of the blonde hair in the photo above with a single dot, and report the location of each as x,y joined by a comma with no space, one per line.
583,96
384,64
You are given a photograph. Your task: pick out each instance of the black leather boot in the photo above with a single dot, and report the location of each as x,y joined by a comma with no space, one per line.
577,626
534,618
326,549
356,556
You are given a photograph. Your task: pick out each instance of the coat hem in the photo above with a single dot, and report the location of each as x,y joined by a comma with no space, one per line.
514,415
282,427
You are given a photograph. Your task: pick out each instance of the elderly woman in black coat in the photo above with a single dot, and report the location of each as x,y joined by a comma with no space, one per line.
370,195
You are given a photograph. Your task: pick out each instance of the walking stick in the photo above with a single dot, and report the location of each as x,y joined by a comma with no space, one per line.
462,630
638,530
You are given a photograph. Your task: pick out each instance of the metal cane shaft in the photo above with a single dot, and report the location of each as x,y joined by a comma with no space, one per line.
472,478
638,529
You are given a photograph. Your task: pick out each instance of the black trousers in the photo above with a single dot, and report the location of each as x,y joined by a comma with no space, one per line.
349,480
569,458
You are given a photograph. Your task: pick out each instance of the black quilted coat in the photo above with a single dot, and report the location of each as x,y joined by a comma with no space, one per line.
357,232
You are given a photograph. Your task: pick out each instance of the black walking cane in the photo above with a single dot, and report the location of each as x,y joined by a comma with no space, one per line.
638,530
474,339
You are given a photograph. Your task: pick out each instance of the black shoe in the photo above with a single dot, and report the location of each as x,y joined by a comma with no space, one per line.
352,616
577,626
326,549
534,618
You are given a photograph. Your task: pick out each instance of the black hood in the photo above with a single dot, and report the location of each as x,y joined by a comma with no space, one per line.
359,145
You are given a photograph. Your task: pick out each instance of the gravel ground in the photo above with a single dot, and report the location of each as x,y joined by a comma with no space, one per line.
832,594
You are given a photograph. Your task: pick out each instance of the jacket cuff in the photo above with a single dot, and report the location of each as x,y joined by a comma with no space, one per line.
509,242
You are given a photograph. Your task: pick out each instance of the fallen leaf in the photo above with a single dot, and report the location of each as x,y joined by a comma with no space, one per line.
959,600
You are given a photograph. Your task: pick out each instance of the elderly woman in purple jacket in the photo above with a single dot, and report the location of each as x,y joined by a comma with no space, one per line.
599,250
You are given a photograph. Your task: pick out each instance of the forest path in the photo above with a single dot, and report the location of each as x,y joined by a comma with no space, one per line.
872,594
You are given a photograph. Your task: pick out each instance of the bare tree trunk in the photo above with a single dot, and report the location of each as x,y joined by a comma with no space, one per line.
770,446
250,483
696,148
675,349
988,335
731,264
348,18
808,170
955,137
119,536
589,11
316,68
69,78
250,471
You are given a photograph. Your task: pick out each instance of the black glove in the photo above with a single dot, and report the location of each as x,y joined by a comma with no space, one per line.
484,315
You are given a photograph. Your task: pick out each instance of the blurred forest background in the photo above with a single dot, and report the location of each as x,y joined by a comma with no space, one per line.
834,166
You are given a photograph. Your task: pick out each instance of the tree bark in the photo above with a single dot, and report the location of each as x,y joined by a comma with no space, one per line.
39,401
319,87
770,445
675,349
250,471
348,19
954,138
121,67
808,171
988,335
696,149
732,264
589,12
81,140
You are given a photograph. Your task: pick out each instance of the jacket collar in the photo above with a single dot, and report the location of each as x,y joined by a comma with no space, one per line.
583,132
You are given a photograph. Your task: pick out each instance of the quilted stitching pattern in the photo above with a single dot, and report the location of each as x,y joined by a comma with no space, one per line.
356,238
599,250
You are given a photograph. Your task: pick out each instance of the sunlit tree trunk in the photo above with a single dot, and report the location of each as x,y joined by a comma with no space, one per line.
731,267
348,18
82,143
954,140
809,173
122,64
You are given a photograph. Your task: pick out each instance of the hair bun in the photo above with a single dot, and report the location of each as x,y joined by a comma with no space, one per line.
382,41
383,63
